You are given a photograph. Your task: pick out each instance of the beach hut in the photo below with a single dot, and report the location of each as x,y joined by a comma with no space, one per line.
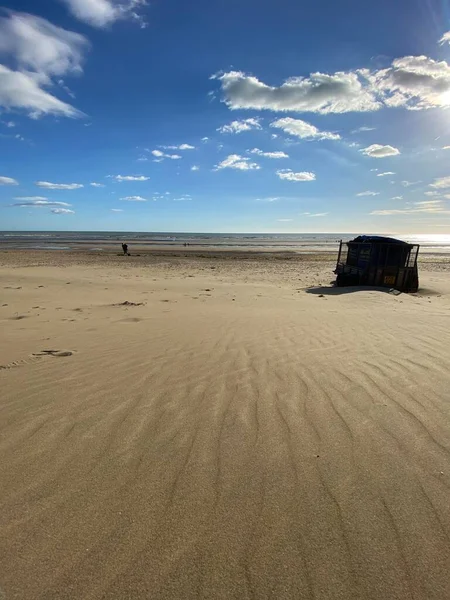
378,261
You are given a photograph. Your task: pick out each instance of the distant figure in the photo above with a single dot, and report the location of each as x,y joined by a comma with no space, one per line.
125,249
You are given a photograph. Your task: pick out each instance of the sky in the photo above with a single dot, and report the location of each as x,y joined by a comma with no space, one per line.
225,116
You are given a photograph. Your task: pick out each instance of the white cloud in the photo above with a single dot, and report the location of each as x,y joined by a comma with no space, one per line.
37,45
195,168
9,124
409,183
379,151
284,220
8,181
397,198
289,175
97,185
161,155
277,154
37,50
240,126
303,130
445,147
205,139
180,147
362,129
324,214
441,183
134,199
320,92
58,186
40,202
185,198
117,209
32,198
22,91
385,173
431,193
121,178
368,193
101,13
426,206
62,211
445,39
413,82
270,199
235,161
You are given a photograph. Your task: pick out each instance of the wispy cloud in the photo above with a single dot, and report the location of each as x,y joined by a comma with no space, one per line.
97,185
134,199
235,161
303,130
162,155
121,178
284,220
117,209
38,51
269,199
308,214
385,174
8,181
32,198
38,202
290,175
276,154
240,126
441,183
180,147
425,206
195,168
62,211
368,193
362,129
58,186
445,39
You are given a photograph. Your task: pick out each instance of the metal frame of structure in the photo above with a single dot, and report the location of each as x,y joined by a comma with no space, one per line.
375,263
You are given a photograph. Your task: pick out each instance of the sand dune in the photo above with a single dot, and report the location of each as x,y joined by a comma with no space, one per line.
231,436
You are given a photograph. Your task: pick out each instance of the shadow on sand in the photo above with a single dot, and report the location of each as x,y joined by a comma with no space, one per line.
333,290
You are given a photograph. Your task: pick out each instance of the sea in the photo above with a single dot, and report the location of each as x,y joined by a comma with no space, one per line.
100,241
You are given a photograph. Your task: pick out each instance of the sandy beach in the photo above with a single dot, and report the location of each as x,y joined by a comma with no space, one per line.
222,426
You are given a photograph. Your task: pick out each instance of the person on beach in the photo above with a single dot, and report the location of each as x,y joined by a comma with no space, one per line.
125,249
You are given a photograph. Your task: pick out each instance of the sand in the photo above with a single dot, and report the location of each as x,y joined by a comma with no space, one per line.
208,428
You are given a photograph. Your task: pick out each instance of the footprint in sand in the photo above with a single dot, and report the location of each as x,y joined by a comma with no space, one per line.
18,317
35,357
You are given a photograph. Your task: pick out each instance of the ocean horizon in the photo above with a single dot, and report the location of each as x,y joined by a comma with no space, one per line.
295,242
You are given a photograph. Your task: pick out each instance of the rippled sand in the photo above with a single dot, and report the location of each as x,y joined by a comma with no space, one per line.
198,428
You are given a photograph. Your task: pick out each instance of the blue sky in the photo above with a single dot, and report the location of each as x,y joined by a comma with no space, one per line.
244,116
